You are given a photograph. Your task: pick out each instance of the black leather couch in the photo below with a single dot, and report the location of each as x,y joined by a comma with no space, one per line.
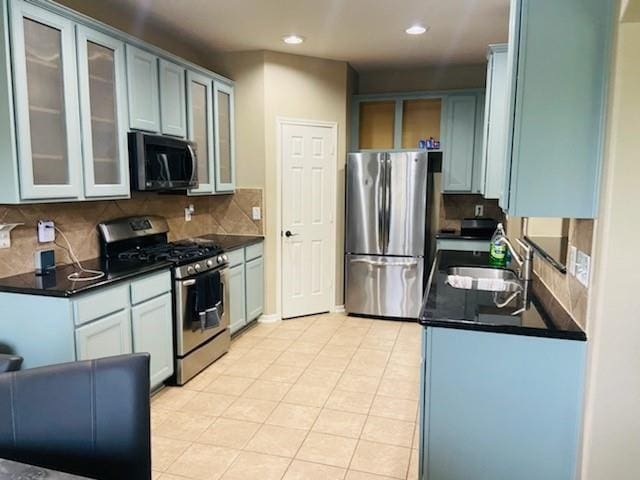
88,418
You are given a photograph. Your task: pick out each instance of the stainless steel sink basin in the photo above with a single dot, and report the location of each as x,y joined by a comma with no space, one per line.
483,278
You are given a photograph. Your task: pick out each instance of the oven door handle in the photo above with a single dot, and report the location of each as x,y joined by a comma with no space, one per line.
188,283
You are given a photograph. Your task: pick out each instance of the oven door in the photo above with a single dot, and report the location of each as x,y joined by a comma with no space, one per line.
162,163
191,331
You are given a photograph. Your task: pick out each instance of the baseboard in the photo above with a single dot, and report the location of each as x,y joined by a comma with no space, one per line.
338,309
271,318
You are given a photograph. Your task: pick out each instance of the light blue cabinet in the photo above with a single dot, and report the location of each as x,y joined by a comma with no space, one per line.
105,337
246,285
499,406
152,329
200,130
142,85
459,143
558,62
103,108
236,283
173,107
478,182
255,288
495,119
225,150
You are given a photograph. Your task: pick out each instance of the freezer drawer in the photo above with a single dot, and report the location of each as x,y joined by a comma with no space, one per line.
384,286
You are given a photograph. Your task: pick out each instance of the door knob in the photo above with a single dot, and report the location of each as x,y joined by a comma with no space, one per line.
289,234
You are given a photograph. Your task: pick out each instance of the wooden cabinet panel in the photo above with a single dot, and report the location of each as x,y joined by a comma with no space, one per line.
421,119
377,127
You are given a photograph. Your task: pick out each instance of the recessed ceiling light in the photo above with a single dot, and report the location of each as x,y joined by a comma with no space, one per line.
416,30
293,39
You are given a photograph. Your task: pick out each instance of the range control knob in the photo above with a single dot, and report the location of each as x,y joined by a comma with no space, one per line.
225,258
209,263
198,267
190,270
220,259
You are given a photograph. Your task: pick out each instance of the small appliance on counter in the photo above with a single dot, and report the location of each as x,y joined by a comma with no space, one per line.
200,293
45,262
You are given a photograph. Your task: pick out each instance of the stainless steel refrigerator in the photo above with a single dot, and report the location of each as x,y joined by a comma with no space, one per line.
386,238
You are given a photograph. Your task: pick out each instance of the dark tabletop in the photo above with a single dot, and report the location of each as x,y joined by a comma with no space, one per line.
56,283
10,470
233,242
445,306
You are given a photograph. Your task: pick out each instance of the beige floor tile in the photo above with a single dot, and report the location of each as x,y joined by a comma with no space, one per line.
165,451
344,424
355,475
354,402
338,351
202,380
286,334
327,449
293,416
297,359
410,357
168,476
389,431
260,330
265,390
377,343
244,341
275,440
312,395
229,385
346,340
299,470
399,409
212,404
313,376
413,466
305,347
358,383
257,466
203,462
184,426
227,432
381,459
278,344
261,356
416,435
367,357
325,361
402,372
247,369
282,373
250,409
172,398
399,389
158,416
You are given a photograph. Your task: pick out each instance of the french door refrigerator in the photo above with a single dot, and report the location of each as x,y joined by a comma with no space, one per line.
386,222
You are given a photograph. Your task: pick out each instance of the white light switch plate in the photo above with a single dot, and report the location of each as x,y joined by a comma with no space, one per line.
256,214
583,268
46,231
571,261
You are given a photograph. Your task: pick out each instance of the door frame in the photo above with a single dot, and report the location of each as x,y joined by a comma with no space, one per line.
280,123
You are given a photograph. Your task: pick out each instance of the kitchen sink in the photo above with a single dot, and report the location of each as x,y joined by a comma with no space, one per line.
484,278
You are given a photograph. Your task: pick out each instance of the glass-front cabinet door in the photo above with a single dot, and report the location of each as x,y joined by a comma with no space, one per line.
225,138
103,108
46,102
200,129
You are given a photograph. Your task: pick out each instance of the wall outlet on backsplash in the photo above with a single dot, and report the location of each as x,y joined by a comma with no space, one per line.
479,210
583,268
256,213
571,260
46,231
188,213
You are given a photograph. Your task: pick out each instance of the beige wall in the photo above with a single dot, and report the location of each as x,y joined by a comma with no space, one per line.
612,415
424,78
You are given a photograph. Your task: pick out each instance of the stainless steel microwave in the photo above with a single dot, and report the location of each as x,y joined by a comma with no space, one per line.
159,163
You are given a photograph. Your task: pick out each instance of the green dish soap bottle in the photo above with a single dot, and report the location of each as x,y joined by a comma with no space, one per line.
498,250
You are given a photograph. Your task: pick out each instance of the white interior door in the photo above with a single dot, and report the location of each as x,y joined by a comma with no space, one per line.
308,158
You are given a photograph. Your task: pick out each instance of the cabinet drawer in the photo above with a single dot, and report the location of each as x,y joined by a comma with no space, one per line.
236,257
96,305
254,251
150,286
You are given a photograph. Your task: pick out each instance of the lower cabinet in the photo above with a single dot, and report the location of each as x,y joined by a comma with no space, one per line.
255,287
108,336
152,329
245,281
237,298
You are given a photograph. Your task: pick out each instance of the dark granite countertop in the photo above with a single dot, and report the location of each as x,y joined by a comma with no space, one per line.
445,306
458,236
233,242
10,470
56,284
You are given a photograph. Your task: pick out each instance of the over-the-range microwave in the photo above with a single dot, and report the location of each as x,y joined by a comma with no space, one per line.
161,163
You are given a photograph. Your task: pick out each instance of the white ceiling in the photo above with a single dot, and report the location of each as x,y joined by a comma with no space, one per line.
367,33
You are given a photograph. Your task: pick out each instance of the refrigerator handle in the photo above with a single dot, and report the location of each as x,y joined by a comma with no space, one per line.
382,188
387,204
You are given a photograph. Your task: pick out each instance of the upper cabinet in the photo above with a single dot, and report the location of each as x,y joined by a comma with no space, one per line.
103,108
224,119
142,83
70,90
558,60
459,143
173,110
47,118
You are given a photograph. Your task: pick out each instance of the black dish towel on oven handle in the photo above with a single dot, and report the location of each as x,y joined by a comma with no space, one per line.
205,303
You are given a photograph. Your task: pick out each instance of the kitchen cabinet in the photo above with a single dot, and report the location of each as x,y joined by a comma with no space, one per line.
459,143
173,109
255,287
152,331
225,153
105,337
478,182
142,85
494,404
47,119
200,129
557,67
236,283
103,108
246,285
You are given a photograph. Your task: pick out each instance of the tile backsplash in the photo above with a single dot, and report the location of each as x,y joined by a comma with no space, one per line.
454,208
225,214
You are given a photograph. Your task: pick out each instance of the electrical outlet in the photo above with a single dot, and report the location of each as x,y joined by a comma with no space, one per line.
479,210
256,214
571,260
583,268
46,231
188,212
5,239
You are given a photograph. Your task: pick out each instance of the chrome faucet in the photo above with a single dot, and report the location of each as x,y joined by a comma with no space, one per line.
525,262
